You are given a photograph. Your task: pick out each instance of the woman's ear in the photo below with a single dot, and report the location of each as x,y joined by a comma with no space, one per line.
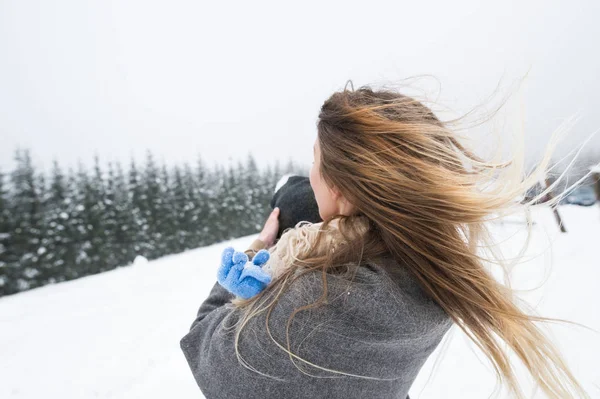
337,195
344,206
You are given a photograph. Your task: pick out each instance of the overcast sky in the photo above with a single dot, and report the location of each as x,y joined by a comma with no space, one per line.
219,79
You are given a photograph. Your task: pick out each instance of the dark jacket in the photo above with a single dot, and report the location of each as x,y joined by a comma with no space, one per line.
377,326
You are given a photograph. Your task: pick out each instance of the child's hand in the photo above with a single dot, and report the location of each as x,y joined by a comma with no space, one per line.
268,235
241,277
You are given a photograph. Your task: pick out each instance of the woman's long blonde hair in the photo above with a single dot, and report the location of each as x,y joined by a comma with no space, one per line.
425,199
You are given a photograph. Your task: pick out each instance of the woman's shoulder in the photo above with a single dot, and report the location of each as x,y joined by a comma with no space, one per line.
373,298
369,325
406,295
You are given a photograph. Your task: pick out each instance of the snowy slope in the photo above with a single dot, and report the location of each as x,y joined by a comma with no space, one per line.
116,335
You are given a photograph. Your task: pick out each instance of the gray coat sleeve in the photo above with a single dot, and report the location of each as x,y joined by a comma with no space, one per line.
335,336
209,348
217,298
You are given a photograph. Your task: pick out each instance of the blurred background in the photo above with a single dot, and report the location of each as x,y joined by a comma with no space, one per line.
133,131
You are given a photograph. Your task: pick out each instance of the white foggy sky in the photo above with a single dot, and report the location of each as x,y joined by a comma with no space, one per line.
219,79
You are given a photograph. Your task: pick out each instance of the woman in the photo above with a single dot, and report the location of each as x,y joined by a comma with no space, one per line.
358,302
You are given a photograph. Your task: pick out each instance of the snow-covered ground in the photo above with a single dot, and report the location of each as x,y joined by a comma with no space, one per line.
116,334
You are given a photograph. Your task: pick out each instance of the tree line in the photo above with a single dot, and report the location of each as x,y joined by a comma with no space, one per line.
60,226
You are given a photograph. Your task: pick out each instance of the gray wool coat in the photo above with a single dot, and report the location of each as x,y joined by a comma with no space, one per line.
377,326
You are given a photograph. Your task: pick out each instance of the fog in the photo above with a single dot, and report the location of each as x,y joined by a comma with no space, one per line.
221,79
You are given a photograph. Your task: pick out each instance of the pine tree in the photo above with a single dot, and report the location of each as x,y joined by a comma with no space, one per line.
181,211
254,208
152,206
5,238
225,215
203,197
74,229
125,233
90,220
167,228
111,245
231,204
57,243
82,229
137,203
26,239
212,228
193,208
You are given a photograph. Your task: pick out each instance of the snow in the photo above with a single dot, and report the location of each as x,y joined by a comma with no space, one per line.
140,261
116,334
282,181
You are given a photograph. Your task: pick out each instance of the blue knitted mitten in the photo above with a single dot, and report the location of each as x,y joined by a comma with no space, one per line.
242,277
